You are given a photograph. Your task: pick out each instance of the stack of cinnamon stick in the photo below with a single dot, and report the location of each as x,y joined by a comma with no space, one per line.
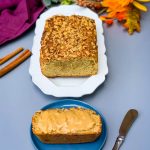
22,57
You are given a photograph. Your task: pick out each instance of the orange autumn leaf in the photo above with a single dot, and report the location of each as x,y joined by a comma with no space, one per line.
116,6
124,12
109,21
106,20
121,16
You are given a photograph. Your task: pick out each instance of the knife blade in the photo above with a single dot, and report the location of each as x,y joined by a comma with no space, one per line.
127,122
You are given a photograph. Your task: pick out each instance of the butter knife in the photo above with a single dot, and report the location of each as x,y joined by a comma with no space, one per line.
124,128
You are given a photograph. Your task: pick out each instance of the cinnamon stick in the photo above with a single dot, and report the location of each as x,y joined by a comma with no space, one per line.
9,56
15,63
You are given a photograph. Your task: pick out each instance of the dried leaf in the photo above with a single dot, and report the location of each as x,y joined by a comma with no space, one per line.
140,6
67,2
132,21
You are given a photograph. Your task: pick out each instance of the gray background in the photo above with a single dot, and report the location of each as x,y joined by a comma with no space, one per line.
127,86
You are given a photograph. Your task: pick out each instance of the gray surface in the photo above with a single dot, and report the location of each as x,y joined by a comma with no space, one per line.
127,86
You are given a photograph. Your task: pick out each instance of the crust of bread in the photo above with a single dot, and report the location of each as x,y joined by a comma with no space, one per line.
67,139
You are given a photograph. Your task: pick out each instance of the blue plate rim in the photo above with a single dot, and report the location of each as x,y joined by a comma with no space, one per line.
79,102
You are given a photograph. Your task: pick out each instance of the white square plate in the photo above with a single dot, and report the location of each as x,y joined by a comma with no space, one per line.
67,87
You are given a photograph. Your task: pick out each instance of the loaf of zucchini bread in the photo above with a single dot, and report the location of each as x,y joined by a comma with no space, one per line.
72,125
69,47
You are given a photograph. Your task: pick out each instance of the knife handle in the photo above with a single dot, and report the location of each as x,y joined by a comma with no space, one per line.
118,142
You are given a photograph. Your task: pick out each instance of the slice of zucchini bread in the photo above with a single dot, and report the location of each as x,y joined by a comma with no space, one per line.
73,125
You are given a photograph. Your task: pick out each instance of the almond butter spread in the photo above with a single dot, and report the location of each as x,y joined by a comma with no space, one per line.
73,120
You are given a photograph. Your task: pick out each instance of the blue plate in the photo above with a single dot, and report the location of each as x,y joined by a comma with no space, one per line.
67,103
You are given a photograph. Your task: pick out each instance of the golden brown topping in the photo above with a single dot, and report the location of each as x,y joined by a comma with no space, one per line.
68,37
